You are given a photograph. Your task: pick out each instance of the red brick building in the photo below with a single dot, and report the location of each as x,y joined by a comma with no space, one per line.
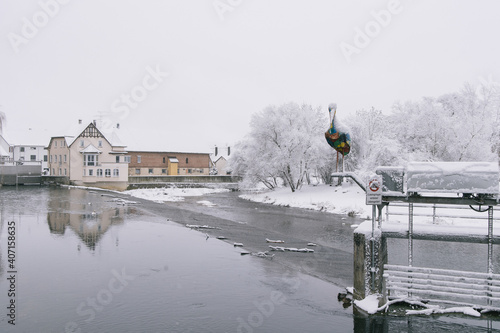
146,163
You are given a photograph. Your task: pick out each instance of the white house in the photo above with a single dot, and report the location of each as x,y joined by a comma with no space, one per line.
219,161
26,146
90,157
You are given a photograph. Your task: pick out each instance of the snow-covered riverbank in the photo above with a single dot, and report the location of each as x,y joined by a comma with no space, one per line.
348,199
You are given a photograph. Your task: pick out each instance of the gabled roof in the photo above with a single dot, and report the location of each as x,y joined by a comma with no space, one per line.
109,134
90,149
220,157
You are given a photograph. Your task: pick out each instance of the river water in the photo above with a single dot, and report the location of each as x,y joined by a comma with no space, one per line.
80,261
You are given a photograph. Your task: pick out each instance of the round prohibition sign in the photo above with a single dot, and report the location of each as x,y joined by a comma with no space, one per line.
374,185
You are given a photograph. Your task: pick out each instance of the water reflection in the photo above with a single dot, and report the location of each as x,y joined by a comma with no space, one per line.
89,215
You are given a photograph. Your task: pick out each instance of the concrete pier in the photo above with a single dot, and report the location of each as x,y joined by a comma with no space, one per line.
370,255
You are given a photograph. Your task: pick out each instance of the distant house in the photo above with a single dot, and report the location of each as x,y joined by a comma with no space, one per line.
156,163
25,147
219,161
89,158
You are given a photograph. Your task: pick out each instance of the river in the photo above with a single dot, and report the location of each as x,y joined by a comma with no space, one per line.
76,260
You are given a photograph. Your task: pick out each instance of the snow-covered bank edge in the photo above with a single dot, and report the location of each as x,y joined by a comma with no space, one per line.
348,199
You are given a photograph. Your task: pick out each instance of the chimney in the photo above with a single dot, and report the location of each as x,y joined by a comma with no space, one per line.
79,121
228,150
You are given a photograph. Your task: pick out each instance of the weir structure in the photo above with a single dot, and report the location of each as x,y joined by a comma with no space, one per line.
474,184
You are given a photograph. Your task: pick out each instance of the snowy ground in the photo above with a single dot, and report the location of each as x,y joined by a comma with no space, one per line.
345,199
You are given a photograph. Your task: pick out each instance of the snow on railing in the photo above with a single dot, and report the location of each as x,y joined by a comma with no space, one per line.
442,285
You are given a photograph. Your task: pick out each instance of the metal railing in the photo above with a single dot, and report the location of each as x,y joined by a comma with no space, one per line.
442,285
435,208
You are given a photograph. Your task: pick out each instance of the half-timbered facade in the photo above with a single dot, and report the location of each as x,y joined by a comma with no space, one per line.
90,158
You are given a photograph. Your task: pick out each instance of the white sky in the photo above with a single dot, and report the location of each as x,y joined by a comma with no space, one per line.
83,58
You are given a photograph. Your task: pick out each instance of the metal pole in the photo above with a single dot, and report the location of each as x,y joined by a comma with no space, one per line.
434,214
490,239
410,234
410,242
372,250
490,249
379,217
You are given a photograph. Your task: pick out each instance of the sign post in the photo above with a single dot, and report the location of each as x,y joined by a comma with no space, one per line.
374,190
374,198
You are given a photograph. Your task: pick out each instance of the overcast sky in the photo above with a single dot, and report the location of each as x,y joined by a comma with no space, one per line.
191,73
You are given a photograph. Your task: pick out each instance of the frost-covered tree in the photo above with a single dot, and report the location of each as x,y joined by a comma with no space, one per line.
373,142
473,123
284,143
461,126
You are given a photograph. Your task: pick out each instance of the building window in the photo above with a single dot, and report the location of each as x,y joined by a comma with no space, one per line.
60,159
55,158
33,157
45,158
138,158
55,143
22,149
137,171
164,171
83,172
50,158
65,172
91,172
189,170
187,160
64,158
150,171
60,171
99,143
63,144
164,160
99,172
53,172
117,158
107,172
126,159
82,143
33,148
116,173
90,160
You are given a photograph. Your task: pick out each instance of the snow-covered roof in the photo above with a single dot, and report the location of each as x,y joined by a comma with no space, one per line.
220,152
90,149
72,132
28,136
453,177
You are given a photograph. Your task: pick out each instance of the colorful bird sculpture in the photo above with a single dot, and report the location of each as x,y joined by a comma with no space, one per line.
340,141
336,138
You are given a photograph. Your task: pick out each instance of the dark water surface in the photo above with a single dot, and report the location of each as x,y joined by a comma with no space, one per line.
87,263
